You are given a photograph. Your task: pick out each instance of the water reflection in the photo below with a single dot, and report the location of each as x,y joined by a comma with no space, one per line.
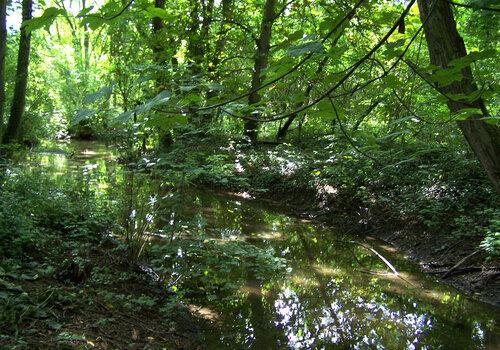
327,294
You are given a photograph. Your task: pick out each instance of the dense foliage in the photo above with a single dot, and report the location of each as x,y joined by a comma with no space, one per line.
378,116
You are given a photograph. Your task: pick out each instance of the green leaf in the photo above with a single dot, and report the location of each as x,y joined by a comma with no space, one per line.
167,122
153,12
493,120
85,11
104,92
160,99
81,115
445,77
45,20
92,21
122,118
467,60
305,48
299,34
465,113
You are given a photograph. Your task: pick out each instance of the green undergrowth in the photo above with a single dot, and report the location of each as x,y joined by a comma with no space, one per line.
64,282
424,188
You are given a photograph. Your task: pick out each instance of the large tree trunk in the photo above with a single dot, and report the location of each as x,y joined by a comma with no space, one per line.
23,59
260,63
3,48
445,44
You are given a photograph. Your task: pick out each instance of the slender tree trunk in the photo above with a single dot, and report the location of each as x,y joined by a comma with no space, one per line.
445,44
86,46
282,131
3,49
23,59
226,11
159,57
213,73
260,63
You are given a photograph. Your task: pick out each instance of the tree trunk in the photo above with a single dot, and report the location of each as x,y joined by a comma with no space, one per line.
23,59
3,49
159,57
445,44
260,63
213,66
282,131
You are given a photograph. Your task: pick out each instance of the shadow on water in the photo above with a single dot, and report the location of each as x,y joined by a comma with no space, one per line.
269,281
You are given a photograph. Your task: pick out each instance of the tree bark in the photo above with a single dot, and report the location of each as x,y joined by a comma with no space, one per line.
3,49
159,57
445,44
23,59
260,63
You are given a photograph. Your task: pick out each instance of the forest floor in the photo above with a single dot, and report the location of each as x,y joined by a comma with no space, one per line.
94,300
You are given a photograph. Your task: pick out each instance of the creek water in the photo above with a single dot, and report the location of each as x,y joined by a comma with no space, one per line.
306,286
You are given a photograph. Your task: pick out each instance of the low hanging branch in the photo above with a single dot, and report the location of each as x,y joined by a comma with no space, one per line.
474,7
115,15
351,141
291,70
351,70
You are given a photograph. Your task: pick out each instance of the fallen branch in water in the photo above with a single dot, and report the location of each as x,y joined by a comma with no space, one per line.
458,264
380,256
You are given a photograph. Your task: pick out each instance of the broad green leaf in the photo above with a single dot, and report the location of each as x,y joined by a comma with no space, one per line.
190,98
305,48
81,115
215,87
494,120
466,113
466,61
471,97
103,93
122,118
45,20
92,21
165,122
152,12
160,99
299,34
445,77
187,88
85,11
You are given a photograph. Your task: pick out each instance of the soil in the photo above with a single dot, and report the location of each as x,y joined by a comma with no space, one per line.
68,311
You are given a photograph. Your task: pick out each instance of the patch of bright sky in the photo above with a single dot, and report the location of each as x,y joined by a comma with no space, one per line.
14,14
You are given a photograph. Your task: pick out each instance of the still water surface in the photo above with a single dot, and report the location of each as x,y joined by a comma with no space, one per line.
306,286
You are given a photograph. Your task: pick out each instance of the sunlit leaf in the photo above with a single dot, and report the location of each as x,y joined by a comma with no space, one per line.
81,115
103,93
305,48
160,99
45,20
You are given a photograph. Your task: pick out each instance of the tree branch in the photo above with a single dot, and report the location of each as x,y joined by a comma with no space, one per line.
474,7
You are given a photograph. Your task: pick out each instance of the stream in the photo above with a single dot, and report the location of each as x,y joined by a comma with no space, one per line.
306,286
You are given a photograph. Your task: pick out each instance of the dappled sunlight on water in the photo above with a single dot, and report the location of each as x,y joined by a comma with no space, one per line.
269,281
